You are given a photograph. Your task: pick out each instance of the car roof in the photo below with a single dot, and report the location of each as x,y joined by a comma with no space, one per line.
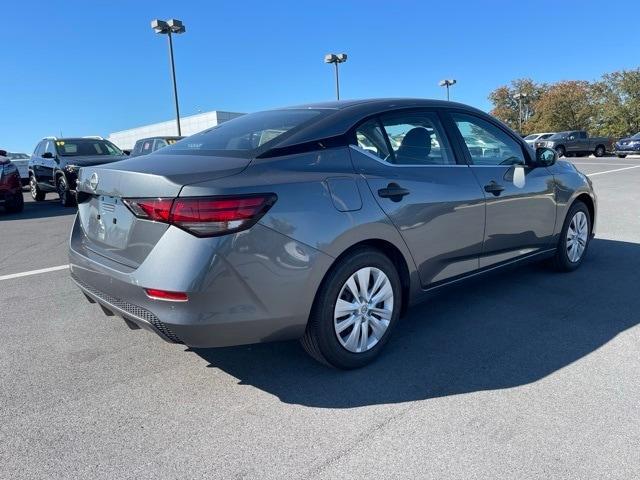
346,113
164,137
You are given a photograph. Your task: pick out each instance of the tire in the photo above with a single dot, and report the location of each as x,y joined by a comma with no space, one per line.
66,196
563,261
350,348
560,151
16,205
37,194
620,155
599,151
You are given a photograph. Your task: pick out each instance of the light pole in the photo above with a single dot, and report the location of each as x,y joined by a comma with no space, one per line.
168,28
519,96
447,83
336,59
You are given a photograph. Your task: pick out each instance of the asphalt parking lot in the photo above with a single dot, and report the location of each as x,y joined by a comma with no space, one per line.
525,374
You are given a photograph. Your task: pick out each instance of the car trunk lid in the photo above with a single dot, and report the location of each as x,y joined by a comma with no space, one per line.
110,228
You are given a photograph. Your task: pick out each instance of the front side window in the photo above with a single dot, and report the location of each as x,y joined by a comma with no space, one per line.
242,136
160,142
416,139
86,146
486,143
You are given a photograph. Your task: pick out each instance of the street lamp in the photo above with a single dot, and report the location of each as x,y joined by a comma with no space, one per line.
519,96
447,83
168,28
336,59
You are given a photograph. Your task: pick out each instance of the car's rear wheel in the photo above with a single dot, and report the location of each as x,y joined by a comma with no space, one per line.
66,196
16,204
355,310
599,151
574,238
37,194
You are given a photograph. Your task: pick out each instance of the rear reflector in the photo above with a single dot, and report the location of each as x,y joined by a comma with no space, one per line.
164,295
204,216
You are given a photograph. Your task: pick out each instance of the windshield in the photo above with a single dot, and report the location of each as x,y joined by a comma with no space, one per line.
533,136
241,136
558,135
76,147
546,135
636,136
18,156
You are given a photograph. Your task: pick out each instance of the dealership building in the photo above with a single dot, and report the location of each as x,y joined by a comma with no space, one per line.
191,124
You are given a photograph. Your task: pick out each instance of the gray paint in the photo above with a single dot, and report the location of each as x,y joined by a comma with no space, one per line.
260,284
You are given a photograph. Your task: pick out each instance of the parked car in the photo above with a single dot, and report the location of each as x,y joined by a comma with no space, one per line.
144,146
21,161
628,146
577,143
326,232
10,186
537,137
55,162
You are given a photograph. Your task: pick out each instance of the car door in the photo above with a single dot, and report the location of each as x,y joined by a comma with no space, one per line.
427,191
520,198
36,159
49,159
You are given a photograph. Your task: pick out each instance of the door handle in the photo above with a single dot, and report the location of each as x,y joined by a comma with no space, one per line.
394,192
494,188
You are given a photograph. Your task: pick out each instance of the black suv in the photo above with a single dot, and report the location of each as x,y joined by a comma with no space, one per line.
55,162
145,146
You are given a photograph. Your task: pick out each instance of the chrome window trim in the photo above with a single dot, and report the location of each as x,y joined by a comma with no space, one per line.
379,160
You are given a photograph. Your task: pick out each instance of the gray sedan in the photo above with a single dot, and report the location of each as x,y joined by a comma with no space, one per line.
321,222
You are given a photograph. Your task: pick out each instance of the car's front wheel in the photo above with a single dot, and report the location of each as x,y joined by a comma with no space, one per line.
560,151
37,194
574,238
66,196
354,311
16,204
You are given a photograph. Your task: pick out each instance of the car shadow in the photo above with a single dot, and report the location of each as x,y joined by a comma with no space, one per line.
505,330
32,210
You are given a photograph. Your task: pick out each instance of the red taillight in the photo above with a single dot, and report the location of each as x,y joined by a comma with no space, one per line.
204,216
164,295
157,209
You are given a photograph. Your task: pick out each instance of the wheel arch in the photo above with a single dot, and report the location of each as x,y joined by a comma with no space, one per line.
588,201
389,250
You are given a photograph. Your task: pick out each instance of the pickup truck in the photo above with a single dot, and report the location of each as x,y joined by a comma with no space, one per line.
576,143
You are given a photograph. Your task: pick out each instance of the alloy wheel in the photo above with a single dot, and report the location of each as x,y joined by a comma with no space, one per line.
33,187
364,309
577,235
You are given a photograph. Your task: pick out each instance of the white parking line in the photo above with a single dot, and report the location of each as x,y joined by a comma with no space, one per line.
611,171
33,272
604,164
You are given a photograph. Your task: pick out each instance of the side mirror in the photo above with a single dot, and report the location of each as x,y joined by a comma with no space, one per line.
126,152
47,155
545,157
3,153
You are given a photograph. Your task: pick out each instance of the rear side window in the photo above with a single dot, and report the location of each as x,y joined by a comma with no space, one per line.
147,147
371,138
416,139
487,144
242,136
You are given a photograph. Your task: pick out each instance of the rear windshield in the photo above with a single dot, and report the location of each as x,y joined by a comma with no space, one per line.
533,136
636,136
18,156
546,135
243,136
86,146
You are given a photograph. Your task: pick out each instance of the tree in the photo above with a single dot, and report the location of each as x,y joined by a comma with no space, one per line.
507,108
564,106
617,103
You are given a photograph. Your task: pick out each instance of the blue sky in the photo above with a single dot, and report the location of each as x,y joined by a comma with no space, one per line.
93,67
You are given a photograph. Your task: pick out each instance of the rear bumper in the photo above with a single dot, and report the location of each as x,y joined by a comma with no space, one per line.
627,152
251,287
